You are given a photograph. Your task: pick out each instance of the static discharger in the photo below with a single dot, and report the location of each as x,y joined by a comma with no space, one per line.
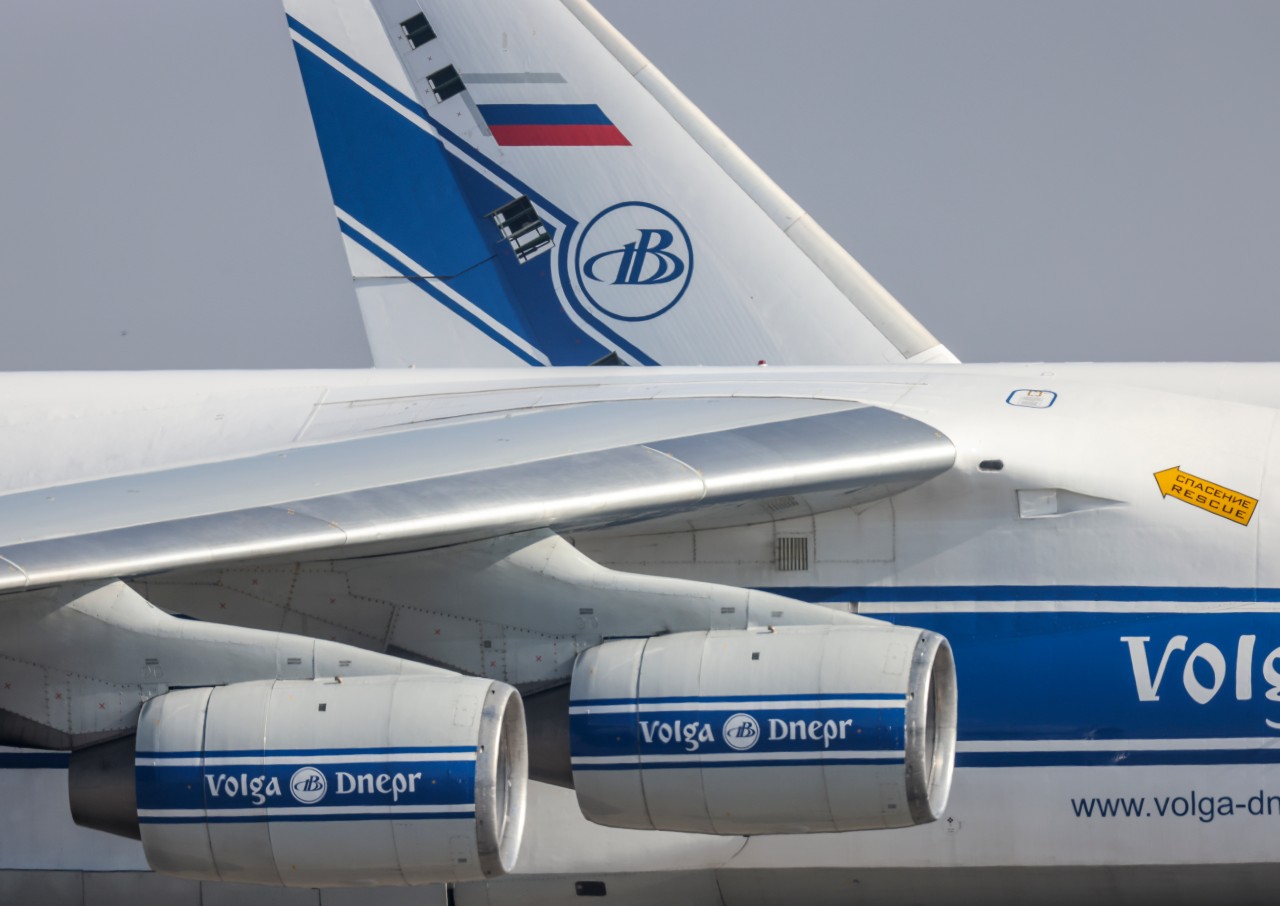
1206,495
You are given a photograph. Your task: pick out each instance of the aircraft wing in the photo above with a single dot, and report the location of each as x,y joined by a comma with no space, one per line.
451,481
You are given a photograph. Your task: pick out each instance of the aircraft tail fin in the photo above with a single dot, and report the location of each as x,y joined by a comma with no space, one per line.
515,183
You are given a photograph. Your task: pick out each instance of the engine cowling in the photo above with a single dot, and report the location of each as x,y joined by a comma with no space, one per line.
372,780
793,730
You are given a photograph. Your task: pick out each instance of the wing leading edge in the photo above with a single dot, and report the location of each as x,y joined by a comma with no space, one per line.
430,487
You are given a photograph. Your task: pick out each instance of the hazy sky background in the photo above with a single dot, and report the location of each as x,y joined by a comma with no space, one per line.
1034,181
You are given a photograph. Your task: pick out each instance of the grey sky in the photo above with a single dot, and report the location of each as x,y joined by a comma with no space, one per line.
162,196
1034,181
1085,180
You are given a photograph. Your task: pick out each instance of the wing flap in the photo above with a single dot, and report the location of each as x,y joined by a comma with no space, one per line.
373,503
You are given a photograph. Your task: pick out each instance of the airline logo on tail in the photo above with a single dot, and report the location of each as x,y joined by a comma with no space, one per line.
634,261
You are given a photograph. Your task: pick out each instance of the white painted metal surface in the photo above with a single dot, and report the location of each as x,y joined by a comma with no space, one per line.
1116,630
799,730
371,781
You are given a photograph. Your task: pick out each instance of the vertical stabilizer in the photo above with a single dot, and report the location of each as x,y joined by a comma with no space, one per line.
515,183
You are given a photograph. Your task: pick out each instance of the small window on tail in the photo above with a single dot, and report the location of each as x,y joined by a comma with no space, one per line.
520,225
445,83
418,30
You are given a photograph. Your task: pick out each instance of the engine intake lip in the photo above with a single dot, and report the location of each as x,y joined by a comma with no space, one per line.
930,728
502,770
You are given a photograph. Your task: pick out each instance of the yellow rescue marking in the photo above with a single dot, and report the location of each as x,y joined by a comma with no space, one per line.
1206,495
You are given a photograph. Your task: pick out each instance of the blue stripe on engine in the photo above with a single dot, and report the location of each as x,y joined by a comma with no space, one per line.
1116,759
762,763
250,786
263,819
782,697
442,298
703,733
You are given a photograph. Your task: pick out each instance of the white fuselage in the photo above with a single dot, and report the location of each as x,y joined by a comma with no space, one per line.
1117,648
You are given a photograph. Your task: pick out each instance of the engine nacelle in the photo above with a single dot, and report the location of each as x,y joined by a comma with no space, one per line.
794,730
371,780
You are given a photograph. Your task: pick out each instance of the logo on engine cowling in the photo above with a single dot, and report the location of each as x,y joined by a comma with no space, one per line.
741,732
308,785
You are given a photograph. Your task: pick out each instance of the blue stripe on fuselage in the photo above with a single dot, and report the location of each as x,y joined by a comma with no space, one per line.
1049,673
1004,593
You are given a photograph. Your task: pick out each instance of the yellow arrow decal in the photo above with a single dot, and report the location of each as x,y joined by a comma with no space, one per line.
1206,495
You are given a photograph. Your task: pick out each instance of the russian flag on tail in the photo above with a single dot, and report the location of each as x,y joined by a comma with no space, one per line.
550,125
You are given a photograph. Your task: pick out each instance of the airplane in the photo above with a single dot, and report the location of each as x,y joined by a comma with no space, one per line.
664,554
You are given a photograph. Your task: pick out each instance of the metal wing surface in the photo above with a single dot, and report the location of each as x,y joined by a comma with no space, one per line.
455,480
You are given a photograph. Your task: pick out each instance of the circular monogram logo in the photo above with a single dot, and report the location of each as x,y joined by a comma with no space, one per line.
741,732
308,785
634,261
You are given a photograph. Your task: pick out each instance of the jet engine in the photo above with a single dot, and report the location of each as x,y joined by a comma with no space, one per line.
412,779
789,730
